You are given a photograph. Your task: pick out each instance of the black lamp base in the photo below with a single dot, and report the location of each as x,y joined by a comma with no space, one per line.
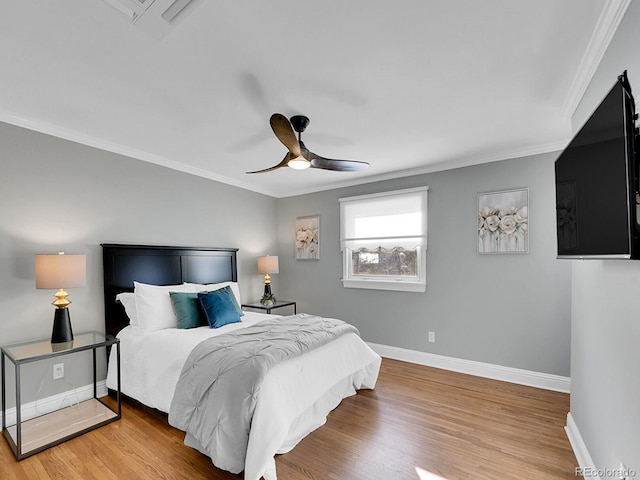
62,332
267,298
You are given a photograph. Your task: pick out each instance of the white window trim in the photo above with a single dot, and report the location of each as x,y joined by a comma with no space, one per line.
377,283
399,286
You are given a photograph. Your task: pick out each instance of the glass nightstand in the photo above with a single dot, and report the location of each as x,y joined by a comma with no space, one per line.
30,436
277,304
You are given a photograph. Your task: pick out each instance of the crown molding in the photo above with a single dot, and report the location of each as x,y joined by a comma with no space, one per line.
602,35
102,144
440,166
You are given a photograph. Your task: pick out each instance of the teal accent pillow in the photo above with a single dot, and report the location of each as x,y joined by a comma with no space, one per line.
188,309
220,307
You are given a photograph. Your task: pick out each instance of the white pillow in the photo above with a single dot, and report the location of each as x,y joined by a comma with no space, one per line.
128,301
154,307
212,287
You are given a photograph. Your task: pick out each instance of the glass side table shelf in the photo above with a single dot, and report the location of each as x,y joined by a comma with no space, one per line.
30,436
276,304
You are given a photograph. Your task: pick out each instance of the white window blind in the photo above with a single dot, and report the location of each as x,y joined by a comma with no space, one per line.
384,239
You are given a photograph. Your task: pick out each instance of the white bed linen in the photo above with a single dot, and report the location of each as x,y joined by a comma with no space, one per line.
150,364
295,397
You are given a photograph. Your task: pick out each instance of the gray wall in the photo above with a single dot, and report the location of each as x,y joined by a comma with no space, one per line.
605,340
510,310
59,195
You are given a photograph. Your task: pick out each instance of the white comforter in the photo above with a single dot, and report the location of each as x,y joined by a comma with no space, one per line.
295,398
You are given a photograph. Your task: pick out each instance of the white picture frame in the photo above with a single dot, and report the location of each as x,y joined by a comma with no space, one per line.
503,222
307,238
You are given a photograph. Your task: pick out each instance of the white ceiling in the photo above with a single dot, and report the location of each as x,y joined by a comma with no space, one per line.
410,86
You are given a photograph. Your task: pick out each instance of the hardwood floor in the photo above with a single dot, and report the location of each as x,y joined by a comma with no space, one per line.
419,423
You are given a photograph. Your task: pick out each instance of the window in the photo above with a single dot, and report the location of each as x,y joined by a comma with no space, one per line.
383,238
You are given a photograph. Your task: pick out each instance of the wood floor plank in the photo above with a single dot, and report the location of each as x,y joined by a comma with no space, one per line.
418,421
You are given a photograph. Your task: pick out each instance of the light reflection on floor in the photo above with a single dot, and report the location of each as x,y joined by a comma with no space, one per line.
424,475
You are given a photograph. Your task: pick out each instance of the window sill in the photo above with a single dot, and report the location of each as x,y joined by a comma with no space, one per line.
393,285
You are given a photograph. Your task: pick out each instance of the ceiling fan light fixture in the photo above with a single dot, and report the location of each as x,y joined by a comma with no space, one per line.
298,156
299,163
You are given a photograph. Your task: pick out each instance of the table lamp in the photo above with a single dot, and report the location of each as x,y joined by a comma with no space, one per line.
267,265
59,272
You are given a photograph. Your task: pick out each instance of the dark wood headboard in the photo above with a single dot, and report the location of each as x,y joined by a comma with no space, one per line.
156,265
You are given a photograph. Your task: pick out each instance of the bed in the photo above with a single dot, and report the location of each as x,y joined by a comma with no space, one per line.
204,378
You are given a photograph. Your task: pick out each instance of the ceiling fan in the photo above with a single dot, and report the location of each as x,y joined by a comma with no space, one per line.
300,157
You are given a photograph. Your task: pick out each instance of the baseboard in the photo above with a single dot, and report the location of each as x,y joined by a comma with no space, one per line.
546,381
585,462
55,402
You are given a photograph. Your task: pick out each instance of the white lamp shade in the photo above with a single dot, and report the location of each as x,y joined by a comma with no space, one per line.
60,271
268,264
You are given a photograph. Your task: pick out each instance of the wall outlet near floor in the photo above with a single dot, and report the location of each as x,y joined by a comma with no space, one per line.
432,337
58,371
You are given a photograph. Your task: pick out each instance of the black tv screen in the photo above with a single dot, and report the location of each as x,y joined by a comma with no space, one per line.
596,183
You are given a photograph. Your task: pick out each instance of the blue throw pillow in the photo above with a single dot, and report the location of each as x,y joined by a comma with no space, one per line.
220,307
229,290
188,309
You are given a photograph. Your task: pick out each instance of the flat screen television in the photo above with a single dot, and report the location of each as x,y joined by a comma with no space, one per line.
597,183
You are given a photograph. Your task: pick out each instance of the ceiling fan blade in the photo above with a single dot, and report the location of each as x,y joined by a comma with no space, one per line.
339,165
283,163
284,131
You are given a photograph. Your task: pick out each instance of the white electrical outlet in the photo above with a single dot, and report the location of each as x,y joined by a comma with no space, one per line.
58,371
432,337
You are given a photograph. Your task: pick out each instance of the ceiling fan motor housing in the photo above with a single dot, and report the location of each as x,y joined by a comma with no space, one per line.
299,123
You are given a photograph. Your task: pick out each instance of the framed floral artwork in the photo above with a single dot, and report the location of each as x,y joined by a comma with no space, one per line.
308,238
503,221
